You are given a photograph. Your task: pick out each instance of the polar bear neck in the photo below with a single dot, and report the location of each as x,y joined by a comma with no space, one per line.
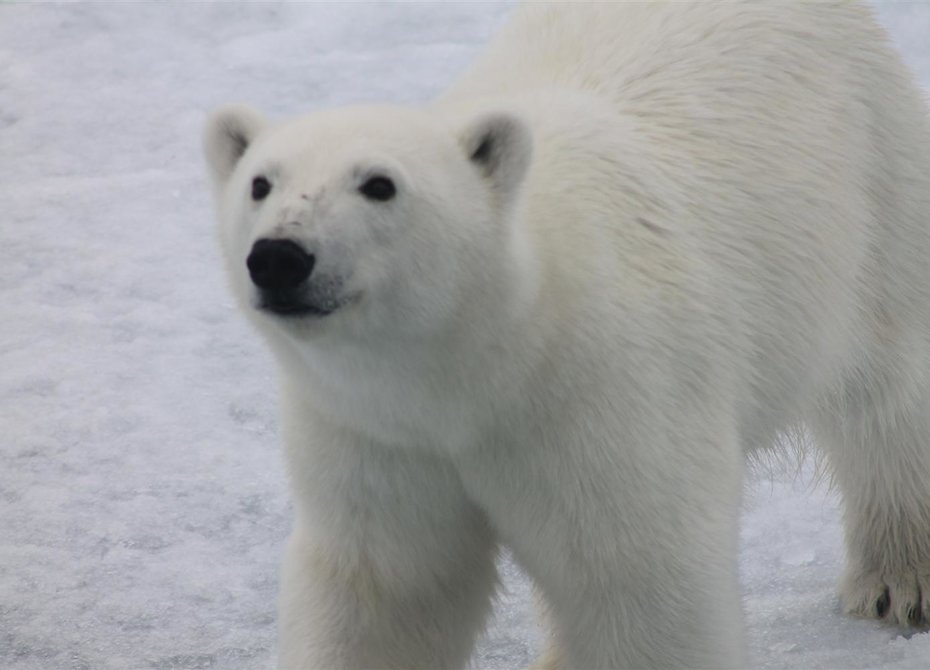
433,394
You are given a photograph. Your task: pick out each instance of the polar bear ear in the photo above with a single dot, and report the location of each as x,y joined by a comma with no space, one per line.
228,133
501,146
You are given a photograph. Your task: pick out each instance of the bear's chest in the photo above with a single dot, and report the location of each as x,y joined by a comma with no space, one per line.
397,403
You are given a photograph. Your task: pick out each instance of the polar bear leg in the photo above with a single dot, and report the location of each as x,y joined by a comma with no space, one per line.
550,658
389,566
636,572
878,443
646,620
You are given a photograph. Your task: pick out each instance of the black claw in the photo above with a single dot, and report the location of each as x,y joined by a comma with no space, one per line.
882,604
914,615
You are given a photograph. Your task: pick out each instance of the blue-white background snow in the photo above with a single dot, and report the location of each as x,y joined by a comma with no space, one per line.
142,498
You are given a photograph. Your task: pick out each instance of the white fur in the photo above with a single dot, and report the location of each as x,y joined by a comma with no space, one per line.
698,225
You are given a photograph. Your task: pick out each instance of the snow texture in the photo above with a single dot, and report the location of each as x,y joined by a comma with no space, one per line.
143,503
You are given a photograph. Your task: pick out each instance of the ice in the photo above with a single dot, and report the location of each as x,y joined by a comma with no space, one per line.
142,497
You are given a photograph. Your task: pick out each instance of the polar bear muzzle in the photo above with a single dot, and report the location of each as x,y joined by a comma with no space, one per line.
279,265
280,269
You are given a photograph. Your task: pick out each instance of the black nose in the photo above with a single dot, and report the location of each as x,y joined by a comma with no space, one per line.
277,265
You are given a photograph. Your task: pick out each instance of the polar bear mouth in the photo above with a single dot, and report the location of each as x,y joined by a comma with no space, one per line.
307,303
293,309
296,306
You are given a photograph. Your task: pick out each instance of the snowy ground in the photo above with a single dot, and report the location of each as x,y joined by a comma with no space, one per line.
142,500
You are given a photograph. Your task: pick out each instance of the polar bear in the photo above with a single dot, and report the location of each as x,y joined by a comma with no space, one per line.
554,308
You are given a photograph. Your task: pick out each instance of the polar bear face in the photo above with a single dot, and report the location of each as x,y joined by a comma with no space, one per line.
367,220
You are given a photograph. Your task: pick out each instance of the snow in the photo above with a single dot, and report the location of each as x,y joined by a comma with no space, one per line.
142,496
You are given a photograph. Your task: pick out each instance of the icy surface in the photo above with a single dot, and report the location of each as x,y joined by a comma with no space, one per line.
142,496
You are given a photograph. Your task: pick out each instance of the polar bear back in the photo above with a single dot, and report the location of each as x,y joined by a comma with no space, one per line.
666,55
785,170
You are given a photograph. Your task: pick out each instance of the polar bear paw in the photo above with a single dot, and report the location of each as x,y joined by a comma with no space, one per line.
901,598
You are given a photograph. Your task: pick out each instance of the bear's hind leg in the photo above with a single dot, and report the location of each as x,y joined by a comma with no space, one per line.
877,439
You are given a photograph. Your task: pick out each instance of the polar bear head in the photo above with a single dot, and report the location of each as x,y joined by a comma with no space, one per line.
367,220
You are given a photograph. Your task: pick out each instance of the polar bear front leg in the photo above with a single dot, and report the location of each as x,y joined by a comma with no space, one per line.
389,565
635,551
679,610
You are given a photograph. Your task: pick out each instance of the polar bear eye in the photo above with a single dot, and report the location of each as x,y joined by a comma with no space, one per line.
261,187
378,188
